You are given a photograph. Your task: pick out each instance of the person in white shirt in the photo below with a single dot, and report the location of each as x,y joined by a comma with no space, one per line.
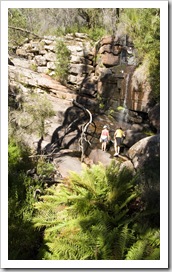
104,138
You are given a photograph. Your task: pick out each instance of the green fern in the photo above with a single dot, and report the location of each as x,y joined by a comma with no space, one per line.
87,217
137,250
147,248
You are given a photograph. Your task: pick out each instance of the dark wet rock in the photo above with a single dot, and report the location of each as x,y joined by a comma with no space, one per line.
154,117
132,137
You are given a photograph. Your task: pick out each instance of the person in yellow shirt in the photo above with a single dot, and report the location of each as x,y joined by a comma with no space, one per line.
119,133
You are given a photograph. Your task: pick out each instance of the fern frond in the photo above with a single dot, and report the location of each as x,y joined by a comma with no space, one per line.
154,255
147,246
136,252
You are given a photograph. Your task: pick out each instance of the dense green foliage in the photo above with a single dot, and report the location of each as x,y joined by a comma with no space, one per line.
104,213
94,216
23,239
16,19
143,28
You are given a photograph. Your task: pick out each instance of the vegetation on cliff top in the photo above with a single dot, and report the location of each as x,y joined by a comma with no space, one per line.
142,25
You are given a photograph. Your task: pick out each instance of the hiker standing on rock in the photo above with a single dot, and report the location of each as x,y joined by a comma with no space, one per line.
104,138
119,133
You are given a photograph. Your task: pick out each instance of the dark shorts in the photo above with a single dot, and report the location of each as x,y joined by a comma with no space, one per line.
118,141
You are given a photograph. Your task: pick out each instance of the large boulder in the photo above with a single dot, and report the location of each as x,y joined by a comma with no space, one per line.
132,137
154,117
145,152
109,60
127,164
97,155
67,164
110,49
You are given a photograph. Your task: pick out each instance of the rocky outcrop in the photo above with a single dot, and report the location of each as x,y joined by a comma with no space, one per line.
38,82
102,71
154,117
145,152
100,78
67,164
132,137
97,155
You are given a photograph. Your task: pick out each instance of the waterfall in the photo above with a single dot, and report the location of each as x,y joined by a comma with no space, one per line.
123,116
126,91
125,110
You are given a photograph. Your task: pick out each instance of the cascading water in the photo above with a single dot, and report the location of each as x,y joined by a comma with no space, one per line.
123,117
126,91
125,98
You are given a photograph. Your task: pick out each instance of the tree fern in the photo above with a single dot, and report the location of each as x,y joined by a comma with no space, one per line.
87,216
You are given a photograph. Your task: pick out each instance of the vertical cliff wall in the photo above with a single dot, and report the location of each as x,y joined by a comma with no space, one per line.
102,75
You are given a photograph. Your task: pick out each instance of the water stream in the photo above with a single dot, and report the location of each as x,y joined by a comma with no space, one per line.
123,116
126,91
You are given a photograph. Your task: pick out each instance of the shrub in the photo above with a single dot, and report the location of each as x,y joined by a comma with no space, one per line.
62,64
23,239
36,109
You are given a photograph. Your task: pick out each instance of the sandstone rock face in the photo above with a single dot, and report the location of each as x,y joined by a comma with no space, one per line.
27,77
139,98
109,61
100,78
80,69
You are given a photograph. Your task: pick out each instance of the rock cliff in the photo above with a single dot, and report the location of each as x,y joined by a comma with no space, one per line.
103,75
100,77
